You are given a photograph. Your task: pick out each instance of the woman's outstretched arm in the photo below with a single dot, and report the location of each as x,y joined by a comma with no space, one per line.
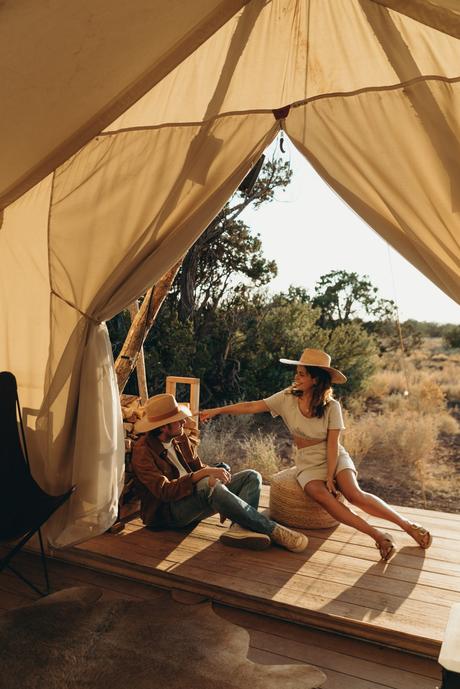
255,407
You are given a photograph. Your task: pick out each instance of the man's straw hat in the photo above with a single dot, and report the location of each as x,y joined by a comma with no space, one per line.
160,410
316,357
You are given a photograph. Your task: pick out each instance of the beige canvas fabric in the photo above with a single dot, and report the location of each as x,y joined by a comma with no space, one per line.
375,106
68,69
390,149
117,220
443,15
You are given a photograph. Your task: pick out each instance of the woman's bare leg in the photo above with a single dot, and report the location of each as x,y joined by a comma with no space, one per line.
318,491
369,503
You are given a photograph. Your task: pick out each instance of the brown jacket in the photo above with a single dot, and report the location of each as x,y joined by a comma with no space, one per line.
158,478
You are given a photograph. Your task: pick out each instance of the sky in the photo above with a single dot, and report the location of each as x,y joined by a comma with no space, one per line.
309,231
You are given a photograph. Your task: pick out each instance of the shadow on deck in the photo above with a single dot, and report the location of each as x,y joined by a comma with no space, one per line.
337,584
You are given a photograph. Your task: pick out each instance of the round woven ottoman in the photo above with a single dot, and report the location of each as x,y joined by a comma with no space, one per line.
289,504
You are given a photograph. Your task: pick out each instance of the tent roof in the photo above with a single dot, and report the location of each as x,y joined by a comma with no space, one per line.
68,69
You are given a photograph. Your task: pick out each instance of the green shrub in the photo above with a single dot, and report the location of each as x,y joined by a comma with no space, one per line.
452,336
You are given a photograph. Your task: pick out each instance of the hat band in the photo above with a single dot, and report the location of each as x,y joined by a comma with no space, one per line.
162,417
309,363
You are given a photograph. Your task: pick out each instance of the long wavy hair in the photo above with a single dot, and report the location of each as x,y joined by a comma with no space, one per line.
321,391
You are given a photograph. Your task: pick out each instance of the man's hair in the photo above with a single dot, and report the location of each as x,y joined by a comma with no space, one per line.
155,432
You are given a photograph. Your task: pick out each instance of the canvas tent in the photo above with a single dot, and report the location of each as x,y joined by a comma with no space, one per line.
369,91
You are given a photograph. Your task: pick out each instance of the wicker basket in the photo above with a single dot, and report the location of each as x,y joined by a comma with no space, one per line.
289,504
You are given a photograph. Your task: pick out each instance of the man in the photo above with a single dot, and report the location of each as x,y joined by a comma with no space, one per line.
177,489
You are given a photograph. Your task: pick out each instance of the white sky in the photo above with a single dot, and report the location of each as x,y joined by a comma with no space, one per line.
309,231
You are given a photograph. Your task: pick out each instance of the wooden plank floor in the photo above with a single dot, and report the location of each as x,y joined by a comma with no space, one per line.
337,584
347,663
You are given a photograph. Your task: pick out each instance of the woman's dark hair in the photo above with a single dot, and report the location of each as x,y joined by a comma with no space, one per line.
321,392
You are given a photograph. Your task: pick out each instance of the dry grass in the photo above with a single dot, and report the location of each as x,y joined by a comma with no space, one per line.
260,453
401,442
452,392
229,439
409,431
399,373
447,424
359,436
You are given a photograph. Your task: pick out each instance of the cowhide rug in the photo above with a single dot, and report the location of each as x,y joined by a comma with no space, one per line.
71,640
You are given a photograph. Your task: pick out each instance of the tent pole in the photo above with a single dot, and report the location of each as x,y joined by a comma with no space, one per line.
142,320
140,364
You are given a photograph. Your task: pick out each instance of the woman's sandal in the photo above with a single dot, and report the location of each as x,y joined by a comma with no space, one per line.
421,535
386,547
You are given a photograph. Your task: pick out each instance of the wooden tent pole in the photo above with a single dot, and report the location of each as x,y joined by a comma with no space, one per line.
140,327
140,363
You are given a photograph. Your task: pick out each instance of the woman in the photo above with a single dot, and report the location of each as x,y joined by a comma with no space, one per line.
323,465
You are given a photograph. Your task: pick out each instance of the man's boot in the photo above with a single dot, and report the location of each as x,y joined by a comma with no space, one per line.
291,540
238,537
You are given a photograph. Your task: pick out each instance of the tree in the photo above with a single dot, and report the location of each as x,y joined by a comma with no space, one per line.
237,357
452,336
142,322
390,334
341,296
227,248
224,253
287,324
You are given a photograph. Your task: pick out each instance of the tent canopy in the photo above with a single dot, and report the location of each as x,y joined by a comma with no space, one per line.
81,65
368,91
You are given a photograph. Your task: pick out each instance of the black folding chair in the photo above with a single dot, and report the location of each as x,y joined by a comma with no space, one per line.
24,506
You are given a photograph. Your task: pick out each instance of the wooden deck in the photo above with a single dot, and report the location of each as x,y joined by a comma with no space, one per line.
347,663
338,584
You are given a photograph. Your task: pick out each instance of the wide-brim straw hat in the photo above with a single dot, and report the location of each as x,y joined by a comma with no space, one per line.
318,358
160,410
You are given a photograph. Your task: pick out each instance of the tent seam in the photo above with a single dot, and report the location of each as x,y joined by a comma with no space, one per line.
48,238
196,123
377,89
295,104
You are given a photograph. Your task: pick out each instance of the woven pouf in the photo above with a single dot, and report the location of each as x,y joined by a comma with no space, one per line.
289,504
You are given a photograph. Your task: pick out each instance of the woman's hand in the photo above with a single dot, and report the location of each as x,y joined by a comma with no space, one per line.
330,485
207,414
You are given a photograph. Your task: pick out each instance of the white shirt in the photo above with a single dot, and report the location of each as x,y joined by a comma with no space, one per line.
172,455
286,405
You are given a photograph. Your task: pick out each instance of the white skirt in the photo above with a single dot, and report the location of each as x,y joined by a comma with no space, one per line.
311,463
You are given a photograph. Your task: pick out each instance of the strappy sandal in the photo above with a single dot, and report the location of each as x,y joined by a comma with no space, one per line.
421,535
386,547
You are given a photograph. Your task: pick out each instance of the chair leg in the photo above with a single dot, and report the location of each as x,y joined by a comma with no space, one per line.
5,563
45,567
26,581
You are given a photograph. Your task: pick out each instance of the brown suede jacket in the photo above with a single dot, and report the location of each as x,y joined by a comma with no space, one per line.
158,478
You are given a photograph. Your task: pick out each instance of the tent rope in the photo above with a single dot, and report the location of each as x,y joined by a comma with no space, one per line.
69,303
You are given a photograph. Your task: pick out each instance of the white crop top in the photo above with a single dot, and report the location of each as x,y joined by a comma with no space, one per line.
286,405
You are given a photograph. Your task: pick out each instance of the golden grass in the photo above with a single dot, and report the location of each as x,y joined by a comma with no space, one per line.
401,441
447,424
260,453
228,439
412,400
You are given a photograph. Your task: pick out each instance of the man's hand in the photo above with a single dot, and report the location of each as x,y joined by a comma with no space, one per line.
218,474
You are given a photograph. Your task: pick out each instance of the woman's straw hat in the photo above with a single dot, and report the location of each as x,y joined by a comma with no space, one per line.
159,411
316,357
